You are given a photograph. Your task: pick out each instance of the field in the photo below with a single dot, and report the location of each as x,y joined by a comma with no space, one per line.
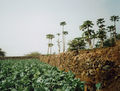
33,75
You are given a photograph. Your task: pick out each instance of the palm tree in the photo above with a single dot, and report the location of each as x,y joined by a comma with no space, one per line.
49,37
58,34
101,34
114,19
111,29
64,33
100,22
87,31
50,46
63,24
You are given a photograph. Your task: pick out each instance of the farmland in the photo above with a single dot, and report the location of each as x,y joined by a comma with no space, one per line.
33,75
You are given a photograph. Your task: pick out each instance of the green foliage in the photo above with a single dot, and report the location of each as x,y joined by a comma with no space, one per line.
63,23
86,25
101,35
33,75
114,18
76,44
50,36
111,28
2,53
87,35
50,44
109,43
118,36
97,45
33,54
106,43
65,32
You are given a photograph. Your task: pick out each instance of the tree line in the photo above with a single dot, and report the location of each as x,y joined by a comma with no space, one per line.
93,38
51,36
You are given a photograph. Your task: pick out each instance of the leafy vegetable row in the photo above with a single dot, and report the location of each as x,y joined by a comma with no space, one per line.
33,75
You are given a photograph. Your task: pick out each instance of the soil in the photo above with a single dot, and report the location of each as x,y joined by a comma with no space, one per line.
100,65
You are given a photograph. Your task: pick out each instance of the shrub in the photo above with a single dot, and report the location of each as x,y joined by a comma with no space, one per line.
2,53
76,44
33,54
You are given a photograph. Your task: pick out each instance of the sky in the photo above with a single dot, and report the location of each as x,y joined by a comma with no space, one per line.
24,24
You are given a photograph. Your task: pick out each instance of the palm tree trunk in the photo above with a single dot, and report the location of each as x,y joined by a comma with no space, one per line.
63,40
51,41
94,42
89,40
115,32
50,50
101,43
90,44
58,45
64,43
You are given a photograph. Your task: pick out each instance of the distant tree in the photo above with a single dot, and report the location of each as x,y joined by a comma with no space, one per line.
87,35
2,53
114,19
63,24
101,34
58,42
76,44
109,42
33,54
111,29
49,37
64,33
50,46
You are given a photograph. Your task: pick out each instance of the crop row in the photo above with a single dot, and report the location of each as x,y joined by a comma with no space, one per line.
33,75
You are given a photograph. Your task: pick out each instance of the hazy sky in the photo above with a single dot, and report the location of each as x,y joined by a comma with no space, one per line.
25,23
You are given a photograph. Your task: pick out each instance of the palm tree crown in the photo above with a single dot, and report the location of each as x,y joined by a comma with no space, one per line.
100,21
114,18
111,28
63,23
87,24
65,32
50,36
58,34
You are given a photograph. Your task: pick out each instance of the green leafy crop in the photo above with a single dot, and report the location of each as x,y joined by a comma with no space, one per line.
33,75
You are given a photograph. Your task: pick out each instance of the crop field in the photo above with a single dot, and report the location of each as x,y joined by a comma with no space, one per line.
33,75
